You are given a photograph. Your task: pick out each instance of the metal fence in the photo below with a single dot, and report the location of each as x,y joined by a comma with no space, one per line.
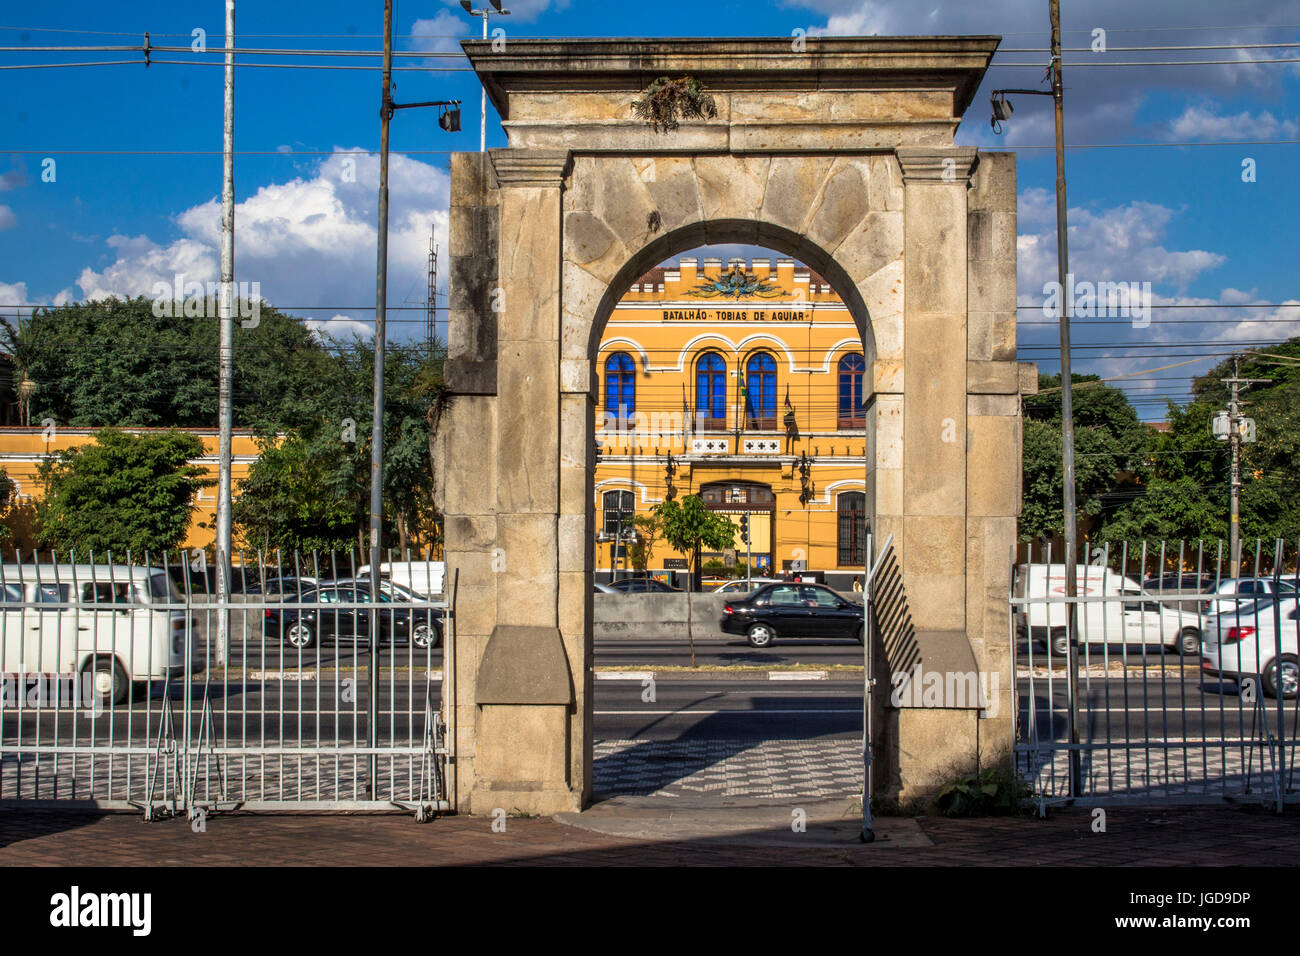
1178,684
127,683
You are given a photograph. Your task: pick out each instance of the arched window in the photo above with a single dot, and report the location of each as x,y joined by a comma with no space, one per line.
616,504
711,392
851,510
853,413
620,386
760,392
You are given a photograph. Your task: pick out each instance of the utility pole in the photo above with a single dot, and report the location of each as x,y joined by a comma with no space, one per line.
1067,407
1238,430
226,348
1002,111
377,409
484,12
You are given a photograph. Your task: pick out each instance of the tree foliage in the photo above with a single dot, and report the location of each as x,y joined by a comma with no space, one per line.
1184,487
114,363
314,492
689,526
121,493
1110,450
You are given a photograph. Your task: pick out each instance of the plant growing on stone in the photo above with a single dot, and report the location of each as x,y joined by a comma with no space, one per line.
665,100
688,526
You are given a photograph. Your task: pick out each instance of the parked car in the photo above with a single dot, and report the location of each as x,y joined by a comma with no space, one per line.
1183,591
1242,644
642,586
742,586
784,610
1233,591
324,619
423,577
604,588
385,587
101,622
1124,615
273,585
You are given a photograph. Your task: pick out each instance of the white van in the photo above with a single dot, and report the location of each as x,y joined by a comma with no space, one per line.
425,578
1131,616
98,623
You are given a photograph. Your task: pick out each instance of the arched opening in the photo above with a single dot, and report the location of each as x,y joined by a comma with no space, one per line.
750,392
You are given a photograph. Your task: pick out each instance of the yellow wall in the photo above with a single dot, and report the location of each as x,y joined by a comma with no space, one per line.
22,450
665,323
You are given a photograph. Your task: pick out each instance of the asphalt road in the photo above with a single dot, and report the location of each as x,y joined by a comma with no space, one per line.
334,703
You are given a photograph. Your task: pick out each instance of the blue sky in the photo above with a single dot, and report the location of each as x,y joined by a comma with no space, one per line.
136,187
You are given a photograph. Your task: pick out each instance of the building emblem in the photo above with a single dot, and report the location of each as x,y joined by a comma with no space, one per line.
735,284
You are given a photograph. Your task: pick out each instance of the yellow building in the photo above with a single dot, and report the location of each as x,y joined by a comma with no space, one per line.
742,383
23,449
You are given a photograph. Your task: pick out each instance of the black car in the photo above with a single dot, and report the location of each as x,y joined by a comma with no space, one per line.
303,627
642,586
793,610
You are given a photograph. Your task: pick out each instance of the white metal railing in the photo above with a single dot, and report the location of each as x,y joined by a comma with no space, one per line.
113,692
1185,672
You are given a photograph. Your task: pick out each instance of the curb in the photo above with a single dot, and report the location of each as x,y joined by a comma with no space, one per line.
731,674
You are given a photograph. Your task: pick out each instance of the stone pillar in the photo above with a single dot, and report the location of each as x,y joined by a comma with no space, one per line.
524,688
932,554
463,448
993,455
935,181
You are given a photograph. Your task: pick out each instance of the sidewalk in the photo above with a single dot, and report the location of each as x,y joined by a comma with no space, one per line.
637,834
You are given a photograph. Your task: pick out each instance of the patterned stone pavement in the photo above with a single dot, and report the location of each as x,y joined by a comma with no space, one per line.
1163,768
759,769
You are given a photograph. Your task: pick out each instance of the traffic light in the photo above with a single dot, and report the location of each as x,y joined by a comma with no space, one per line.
744,529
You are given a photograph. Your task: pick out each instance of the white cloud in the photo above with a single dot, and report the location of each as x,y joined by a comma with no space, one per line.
12,294
309,242
1200,123
1102,103
1121,243
7,218
443,33
339,327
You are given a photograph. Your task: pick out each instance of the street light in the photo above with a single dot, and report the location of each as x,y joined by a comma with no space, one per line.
386,109
484,12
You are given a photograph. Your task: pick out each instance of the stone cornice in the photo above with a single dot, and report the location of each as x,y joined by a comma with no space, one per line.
937,164
815,63
531,167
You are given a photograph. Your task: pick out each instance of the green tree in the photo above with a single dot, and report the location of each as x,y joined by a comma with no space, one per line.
649,529
689,526
121,493
298,498
1184,492
1110,449
316,493
113,363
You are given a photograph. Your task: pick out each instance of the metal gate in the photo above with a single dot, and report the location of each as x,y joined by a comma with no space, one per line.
129,684
1179,685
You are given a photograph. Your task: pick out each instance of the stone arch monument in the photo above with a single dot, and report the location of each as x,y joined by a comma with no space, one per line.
840,155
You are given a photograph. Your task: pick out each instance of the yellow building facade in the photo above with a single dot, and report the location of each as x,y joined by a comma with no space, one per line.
23,449
742,382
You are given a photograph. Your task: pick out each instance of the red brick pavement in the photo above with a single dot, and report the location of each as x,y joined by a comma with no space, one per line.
1133,837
